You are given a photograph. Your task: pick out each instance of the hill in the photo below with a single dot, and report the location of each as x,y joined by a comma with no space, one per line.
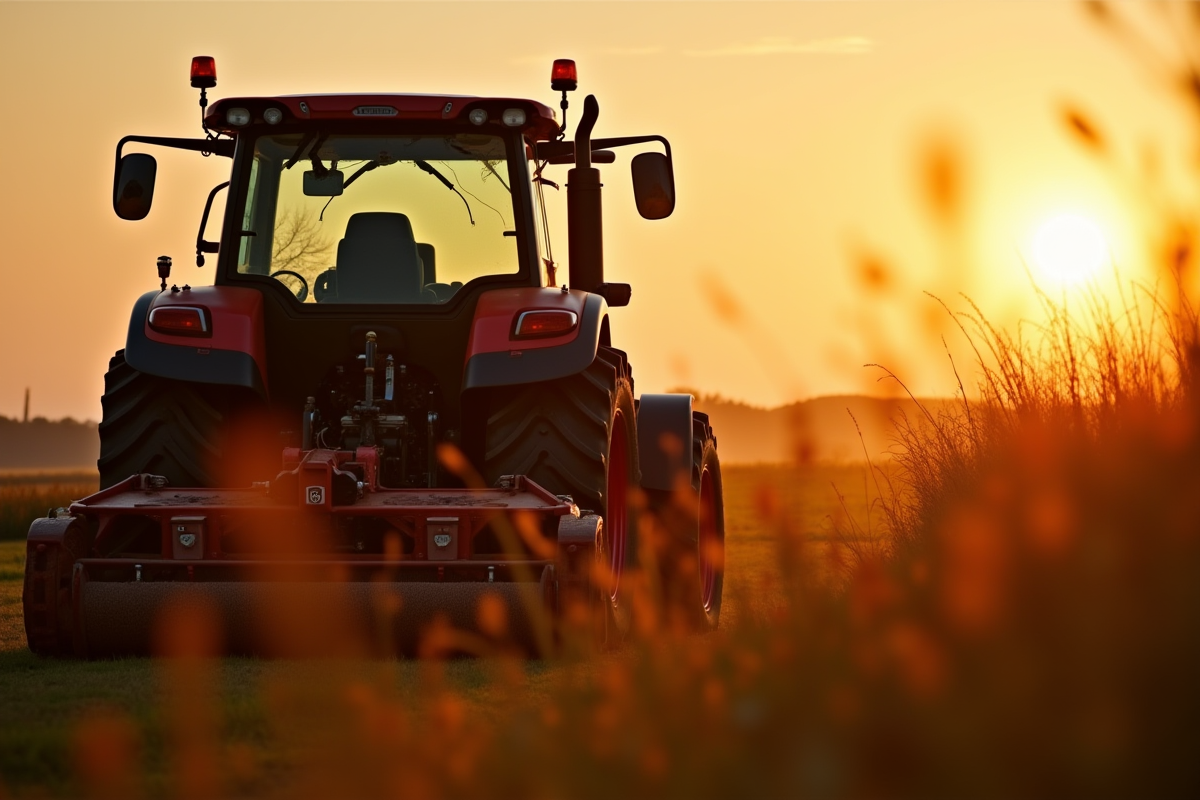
820,429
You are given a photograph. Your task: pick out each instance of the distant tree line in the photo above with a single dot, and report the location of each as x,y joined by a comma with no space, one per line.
48,444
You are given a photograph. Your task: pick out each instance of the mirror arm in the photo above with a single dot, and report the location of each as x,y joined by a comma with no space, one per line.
623,141
552,151
220,147
203,246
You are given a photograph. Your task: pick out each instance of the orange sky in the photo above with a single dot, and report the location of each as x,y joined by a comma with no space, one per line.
795,126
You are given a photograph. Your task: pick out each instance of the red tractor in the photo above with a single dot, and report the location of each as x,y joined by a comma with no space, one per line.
427,412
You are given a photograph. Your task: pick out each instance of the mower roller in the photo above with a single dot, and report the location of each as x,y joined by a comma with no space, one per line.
416,440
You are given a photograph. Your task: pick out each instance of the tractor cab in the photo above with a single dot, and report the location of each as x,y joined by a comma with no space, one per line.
382,199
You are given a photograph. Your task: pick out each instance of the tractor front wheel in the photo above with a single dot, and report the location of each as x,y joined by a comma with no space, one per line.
692,560
710,530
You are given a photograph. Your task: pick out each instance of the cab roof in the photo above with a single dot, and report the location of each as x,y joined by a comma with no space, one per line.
540,122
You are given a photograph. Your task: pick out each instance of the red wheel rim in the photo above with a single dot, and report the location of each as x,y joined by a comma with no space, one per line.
618,483
708,541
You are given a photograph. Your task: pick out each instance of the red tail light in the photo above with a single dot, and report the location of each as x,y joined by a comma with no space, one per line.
180,321
204,72
562,75
550,322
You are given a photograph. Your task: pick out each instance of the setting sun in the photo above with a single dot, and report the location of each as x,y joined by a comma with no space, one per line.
1069,249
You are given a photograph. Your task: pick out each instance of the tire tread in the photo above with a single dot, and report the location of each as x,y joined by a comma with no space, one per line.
156,425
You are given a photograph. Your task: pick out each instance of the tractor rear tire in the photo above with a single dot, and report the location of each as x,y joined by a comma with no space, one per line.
578,436
692,568
159,426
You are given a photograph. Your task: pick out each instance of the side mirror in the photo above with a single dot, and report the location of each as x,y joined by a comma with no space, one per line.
133,185
653,185
615,294
328,185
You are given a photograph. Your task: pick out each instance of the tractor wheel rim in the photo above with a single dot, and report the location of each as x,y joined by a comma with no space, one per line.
615,523
708,541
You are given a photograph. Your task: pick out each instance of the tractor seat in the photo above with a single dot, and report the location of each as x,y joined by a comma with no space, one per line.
377,260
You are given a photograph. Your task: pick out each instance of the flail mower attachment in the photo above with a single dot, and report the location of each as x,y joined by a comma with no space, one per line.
487,568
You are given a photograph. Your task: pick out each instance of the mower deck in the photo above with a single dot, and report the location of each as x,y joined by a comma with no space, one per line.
392,559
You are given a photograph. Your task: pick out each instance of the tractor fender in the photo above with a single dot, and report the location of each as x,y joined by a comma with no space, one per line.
495,358
664,423
232,354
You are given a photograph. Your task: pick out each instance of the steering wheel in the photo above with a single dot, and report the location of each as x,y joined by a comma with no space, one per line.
302,295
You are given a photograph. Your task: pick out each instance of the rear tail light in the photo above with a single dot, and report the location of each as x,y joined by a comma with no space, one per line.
180,321
550,322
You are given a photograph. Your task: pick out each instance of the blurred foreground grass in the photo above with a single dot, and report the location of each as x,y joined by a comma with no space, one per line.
67,726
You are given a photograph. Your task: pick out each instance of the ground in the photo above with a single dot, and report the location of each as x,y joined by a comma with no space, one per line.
43,700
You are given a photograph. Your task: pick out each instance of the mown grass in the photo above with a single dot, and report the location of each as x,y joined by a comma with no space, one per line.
58,717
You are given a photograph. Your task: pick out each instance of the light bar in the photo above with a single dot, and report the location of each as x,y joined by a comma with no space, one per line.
562,75
180,321
204,72
542,323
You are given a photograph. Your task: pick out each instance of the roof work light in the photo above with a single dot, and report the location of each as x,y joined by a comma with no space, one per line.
204,72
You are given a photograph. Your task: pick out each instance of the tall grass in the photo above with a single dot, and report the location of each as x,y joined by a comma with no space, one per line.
1045,540
26,496
1089,376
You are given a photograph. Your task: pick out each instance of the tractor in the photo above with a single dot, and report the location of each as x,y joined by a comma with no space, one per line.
391,408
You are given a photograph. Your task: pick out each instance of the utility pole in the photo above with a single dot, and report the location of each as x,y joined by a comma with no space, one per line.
26,419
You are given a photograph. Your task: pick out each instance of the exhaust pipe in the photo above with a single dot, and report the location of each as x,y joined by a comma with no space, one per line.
585,218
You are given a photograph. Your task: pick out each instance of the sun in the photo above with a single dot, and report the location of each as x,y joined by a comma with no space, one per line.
1069,249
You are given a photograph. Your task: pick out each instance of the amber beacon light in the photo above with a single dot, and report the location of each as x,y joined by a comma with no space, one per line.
204,72
563,77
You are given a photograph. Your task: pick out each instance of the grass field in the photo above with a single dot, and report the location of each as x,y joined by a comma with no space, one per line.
47,705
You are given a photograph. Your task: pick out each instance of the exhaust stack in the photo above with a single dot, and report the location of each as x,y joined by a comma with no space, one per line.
585,218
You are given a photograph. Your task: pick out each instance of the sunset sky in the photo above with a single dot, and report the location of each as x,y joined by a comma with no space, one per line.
801,245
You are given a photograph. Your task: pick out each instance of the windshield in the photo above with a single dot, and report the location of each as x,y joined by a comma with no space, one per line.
378,219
